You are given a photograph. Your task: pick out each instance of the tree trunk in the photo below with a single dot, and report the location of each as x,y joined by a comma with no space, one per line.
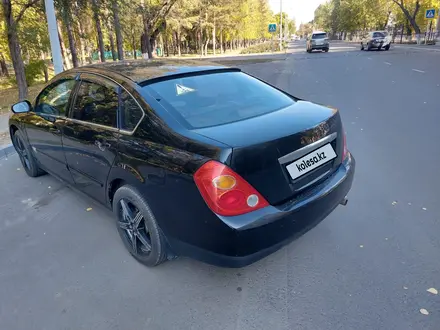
14,48
145,38
133,43
81,42
179,52
97,19
221,41
43,58
167,45
206,46
213,37
88,44
68,24
411,18
3,67
200,37
112,44
67,63
119,41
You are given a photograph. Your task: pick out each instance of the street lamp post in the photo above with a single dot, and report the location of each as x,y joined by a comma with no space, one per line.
281,24
57,59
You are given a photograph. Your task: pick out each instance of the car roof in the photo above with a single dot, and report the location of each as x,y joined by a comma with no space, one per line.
316,32
141,71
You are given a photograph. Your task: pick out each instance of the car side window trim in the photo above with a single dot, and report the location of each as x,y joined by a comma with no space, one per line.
94,77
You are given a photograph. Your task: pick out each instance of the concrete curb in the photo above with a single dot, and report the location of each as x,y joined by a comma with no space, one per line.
6,151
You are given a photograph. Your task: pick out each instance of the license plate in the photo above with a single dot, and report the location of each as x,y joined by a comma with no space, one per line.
311,161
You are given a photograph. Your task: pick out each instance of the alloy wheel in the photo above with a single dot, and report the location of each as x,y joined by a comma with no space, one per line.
133,226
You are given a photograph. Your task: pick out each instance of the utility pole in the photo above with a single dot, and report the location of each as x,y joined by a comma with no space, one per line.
57,59
281,24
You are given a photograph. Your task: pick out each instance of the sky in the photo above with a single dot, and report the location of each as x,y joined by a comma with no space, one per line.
302,10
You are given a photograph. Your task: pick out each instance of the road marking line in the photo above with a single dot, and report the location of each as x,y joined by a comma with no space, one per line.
418,71
421,48
388,63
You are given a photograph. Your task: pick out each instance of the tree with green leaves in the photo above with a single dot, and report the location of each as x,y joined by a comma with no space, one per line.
11,26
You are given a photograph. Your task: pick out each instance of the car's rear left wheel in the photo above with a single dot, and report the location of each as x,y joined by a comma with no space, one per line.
362,46
138,227
27,159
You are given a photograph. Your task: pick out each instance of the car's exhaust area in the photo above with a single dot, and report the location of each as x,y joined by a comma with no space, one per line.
344,201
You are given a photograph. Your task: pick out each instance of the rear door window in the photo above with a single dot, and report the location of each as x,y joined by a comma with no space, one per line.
319,35
218,98
96,103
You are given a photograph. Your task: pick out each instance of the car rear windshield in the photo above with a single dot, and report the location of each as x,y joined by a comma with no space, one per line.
218,98
319,35
378,35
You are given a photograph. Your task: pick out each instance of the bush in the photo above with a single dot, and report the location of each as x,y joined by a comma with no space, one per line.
265,47
34,70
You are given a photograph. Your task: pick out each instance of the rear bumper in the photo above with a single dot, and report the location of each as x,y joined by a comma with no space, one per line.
324,46
260,233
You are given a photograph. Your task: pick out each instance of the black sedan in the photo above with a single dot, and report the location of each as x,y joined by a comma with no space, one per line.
194,159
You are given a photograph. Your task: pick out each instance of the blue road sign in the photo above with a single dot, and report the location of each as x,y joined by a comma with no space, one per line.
430,13
272,27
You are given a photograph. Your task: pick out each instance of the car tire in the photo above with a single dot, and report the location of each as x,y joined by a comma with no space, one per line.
138,227
387,47
362,46
368,46
26,156
326,50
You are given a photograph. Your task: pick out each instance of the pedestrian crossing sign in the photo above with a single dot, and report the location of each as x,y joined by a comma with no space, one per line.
430,13
272,27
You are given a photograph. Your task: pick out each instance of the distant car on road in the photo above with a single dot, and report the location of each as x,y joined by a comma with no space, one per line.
376,40
318,40
194,159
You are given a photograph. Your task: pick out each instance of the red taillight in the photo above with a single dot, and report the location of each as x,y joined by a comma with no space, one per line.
225,192
345,150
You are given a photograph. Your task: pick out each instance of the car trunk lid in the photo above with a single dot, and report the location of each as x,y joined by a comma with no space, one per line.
265,147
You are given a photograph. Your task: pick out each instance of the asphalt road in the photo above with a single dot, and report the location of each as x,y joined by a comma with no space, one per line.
367,266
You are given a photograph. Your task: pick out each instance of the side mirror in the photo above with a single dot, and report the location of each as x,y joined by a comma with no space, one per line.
21,107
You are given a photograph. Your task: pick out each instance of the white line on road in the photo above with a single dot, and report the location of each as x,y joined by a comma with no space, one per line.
420,48
418,71
387,63
343,47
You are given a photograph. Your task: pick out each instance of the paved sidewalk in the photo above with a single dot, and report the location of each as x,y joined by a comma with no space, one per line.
4,122
5,141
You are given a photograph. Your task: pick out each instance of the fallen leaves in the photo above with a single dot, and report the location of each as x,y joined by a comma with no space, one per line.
394,203
361,246
424,311
432,290
89,209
